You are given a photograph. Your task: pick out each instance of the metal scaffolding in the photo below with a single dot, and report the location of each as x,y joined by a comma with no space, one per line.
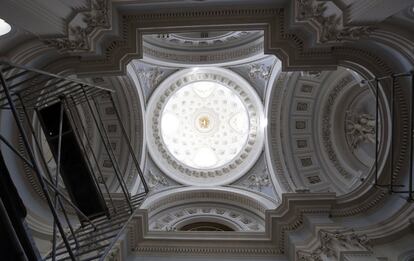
376,84
24,91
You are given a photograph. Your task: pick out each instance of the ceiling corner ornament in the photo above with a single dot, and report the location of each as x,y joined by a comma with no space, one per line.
257,182
333,243
156,181
331,28
83,27
151,76
259,71
205,126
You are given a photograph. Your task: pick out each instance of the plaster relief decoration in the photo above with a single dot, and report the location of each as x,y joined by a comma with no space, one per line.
329,19
257,182
203,47
177,218
331,130
332,244
326,127
360,128
83,27
257,71
151,76
196,40
156,181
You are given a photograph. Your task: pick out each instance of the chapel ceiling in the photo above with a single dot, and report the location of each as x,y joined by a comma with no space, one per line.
278,78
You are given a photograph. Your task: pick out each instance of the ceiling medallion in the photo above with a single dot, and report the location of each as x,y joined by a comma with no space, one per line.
205,126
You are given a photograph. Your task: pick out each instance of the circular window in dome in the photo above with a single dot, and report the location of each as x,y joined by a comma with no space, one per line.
204,126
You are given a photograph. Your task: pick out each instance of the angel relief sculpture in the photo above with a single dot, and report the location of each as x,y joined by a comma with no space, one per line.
359,128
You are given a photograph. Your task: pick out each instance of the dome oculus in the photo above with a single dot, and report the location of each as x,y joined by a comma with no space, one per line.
205,125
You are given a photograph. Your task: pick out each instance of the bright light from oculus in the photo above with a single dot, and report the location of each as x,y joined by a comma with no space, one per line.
204,125
4,27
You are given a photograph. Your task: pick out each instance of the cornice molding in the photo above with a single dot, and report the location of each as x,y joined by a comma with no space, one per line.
279,39
287,217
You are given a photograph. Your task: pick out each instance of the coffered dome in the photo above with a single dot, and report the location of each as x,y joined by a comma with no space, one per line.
205,126
208,47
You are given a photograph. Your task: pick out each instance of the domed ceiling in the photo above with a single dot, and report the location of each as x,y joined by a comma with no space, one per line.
206,125
235,129
223,133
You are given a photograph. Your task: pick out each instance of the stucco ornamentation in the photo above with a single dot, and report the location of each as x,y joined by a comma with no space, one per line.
259,71
330,26
257,181
360,128
326,125
81,28
174,219
156,181
332,243
151,76
204,121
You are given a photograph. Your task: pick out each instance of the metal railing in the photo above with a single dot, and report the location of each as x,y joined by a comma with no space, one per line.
24,91
376,84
